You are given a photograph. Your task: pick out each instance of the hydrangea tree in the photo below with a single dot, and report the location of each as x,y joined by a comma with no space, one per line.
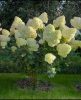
38,44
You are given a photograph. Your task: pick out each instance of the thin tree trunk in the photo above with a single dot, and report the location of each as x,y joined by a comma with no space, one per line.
33,77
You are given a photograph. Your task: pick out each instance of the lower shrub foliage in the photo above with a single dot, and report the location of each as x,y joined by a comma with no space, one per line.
71,65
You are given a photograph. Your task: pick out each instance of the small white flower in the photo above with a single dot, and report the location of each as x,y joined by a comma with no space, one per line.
51,72
13,48
44,17
49,57
23,55
63,49
5,32
21,42
76,22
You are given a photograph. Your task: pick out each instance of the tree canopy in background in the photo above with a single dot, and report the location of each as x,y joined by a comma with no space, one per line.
28,8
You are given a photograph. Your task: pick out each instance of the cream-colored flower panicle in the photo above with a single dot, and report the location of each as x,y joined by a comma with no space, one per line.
44,17
60,21
30,32
51,72
49,58
64,27
3,44
4,38
63,49
53,43
41,41
36,23
26,32
75,44
5,32
19,34
49,28
17,24
69,34
32,44
21,42
51,36
13,48
76,22
47,32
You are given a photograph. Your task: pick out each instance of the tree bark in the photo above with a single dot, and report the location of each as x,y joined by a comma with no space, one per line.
33,77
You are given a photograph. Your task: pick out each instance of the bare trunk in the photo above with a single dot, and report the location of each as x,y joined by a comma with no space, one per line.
33,77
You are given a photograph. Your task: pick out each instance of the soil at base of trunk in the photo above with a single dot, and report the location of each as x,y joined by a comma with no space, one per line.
40,85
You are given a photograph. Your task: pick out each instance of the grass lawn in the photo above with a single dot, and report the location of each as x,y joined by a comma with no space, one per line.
64,88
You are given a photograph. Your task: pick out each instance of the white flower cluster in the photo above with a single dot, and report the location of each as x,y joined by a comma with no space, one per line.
76,22
51,36
4,38
61,36
26,34
49,57
63,49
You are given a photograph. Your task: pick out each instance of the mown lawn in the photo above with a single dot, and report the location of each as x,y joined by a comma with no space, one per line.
64,88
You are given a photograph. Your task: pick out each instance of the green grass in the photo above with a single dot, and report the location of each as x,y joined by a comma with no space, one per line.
64,88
